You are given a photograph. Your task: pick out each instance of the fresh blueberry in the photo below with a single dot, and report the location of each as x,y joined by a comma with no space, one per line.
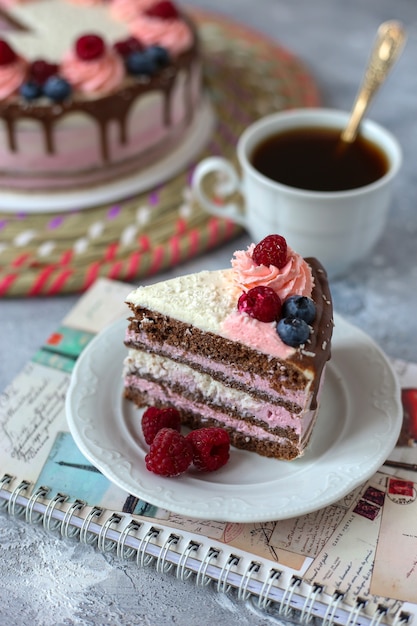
158,54
139,63
299,306
57,88
293,331
30,90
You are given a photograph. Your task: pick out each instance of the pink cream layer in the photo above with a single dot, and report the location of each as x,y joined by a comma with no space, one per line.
271,415
140,365
236,377
155,392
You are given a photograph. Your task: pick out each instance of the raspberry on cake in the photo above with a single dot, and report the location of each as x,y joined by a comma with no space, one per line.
250,363
93,91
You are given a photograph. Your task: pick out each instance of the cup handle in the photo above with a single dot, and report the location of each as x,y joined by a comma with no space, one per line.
230,185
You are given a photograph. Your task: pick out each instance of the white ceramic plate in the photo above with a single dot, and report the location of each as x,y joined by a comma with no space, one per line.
358,426
174,162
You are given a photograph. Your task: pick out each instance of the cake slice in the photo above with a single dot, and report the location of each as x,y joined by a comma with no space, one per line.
216,345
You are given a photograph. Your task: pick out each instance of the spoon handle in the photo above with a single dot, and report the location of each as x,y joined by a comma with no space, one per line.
388,45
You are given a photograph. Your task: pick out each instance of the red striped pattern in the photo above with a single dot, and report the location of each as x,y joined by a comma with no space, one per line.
133,264
59,282
21,259
175,246
66,257
194,242
213,226
91,274
157,257
111,251
6,283
41,281
115,270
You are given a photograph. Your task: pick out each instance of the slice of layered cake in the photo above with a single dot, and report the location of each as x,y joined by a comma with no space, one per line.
243,348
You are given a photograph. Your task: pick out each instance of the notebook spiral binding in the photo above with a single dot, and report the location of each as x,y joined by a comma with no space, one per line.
148,544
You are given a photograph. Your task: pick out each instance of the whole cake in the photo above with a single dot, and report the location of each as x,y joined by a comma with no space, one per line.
243,348
91,90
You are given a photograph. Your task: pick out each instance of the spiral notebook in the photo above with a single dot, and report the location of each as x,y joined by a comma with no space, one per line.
354,562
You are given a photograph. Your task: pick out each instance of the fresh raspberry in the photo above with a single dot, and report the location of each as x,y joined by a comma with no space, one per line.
211,448
261,302
7,55
170,453
271,251
154,419
164,10
127,46
40,71
89,47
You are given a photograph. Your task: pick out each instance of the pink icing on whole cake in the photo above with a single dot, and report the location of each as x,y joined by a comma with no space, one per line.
99,118
174,35
104,74
127,10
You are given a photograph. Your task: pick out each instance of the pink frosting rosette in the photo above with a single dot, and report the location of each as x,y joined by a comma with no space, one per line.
95,75
294,278
128,10
12,76
173,34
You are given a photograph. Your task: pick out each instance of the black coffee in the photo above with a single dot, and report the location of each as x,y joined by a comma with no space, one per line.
314,159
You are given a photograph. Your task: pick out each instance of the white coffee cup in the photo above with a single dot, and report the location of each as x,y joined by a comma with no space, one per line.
337,227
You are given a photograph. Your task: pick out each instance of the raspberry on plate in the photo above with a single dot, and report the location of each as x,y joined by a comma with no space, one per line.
170,453
211,448
154,419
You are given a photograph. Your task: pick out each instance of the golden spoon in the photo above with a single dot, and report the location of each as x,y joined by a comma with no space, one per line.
387,48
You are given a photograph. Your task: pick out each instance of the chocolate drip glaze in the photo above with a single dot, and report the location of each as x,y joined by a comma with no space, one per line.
320,340
103,110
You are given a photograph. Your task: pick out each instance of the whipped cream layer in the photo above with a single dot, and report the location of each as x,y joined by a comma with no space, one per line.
144,370
208,301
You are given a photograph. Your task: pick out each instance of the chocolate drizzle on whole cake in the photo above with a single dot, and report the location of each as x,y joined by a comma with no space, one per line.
104,109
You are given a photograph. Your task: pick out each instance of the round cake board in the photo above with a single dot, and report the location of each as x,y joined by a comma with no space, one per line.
138,233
